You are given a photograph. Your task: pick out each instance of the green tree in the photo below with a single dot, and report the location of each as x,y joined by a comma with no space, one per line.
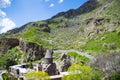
82,72
78,72
37,76
5,76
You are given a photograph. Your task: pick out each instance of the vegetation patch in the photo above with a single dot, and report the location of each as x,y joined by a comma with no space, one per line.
106,42
12,57
78,57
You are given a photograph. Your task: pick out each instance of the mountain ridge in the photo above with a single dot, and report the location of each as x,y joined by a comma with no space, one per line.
81,10
89,14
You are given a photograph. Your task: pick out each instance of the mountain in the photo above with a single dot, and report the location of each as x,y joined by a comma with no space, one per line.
74,29
94,28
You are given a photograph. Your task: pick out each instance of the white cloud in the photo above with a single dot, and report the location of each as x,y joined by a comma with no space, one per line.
52,5
6,24
2,13
61,1
4,3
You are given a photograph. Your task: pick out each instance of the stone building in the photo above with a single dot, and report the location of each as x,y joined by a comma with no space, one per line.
49,66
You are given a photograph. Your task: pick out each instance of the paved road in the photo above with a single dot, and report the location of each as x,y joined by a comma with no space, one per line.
2,72
80,53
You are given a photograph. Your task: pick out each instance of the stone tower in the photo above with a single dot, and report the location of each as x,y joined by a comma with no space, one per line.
48,65
48,57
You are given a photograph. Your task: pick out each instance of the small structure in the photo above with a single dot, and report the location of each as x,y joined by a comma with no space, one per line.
48,66
19,71
48,57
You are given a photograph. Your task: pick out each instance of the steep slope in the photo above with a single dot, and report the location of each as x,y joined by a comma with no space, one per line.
75,28
89,34
93,28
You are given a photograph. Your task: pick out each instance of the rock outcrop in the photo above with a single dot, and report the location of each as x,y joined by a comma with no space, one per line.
7,43
34,51
108,64
44,27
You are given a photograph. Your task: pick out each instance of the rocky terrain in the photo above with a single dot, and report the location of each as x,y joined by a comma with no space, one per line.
91,30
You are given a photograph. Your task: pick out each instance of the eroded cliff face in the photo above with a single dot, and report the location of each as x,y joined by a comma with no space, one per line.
8,43
34,51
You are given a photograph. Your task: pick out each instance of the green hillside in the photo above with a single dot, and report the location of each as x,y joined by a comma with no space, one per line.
71,33
93,28
88,35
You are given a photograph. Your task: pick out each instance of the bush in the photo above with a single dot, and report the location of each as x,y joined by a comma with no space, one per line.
82,72
115,77
37,76
5,77
78,56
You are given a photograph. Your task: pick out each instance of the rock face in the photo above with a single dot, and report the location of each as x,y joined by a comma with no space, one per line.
34,51
94,26
8,43
44,27
66,62
108,64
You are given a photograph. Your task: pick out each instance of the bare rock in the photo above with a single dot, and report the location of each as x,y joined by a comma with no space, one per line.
8,43
34,51
44,27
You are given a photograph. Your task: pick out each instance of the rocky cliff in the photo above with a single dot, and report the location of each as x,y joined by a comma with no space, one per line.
7,43
34,51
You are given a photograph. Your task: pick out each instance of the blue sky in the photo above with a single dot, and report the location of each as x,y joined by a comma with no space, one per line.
15,13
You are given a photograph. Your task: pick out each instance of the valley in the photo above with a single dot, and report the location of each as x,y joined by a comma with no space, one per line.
89,35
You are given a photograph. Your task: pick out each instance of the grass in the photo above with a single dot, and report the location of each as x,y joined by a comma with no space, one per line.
73,37
78,57
112,11
13,56
97,45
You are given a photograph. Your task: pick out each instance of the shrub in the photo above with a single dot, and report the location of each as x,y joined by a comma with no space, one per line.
37,76
82,72
78,56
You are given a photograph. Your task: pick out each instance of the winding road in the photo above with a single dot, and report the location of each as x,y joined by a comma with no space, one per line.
79,52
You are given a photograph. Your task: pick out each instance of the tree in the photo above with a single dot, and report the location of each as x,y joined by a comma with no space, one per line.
37,76
82,72
78,72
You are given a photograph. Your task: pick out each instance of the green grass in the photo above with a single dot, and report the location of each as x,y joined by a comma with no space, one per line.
73,37
12,57
78,57
97,45
112,11
5,77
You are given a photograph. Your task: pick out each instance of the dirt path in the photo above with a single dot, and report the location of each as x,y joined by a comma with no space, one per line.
79,52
